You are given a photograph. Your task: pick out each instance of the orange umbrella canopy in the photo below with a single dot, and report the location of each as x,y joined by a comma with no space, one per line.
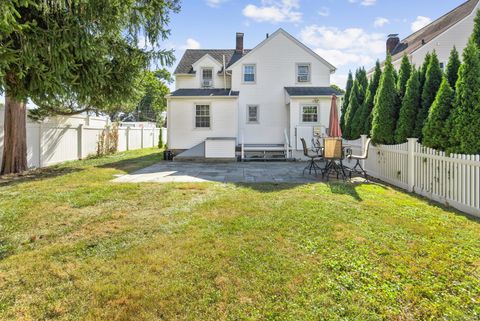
334,129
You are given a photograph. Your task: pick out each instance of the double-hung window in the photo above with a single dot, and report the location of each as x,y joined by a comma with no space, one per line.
249,74
303,72
207,77
252,113
202,116
310,114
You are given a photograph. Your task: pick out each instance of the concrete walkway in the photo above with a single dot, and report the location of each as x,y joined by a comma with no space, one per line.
252,172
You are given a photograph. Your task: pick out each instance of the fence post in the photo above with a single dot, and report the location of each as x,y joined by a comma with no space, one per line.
141,137
153,137
80,141
364,142
40,139
412,142
127,133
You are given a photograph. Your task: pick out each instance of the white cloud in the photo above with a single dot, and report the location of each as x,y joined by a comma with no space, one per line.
190,43
339,80
420,22
341,47
324,12
366,3
380,22
215,3
274,11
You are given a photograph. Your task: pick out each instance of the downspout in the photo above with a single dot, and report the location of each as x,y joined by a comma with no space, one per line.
224,74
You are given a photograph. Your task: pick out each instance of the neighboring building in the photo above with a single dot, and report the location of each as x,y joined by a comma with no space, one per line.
452,29
253,101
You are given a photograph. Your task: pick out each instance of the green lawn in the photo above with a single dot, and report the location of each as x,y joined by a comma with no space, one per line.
74,246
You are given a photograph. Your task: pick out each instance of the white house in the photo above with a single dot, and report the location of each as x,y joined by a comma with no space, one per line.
257,102
452,29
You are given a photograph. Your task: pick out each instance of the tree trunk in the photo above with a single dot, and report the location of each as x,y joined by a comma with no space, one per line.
15,137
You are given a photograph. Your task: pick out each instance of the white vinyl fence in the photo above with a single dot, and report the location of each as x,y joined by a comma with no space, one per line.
64,139
453,179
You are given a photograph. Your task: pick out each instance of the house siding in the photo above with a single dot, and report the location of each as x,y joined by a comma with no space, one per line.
184,135
275,69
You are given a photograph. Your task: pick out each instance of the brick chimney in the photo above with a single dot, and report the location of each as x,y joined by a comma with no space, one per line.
239,43
392,42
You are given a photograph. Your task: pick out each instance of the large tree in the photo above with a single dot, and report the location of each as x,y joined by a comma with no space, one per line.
453,66
356,101
346,101
385,108
433,79
403,76
408,112
73,56
435,133
465,118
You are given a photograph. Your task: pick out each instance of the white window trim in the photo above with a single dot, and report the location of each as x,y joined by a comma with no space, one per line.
298,64
195,115
248,114
243,74
310,105
201,76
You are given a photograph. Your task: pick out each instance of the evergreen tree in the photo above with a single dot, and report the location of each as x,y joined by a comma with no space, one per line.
433,79
385,110
476,30
465,118
408,112
403,76
452,67
348,91
357,99
435,133
423,70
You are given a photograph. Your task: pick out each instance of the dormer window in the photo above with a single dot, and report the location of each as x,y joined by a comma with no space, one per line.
249,74
303,72
207,77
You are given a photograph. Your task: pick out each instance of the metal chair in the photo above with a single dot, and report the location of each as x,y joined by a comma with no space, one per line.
312,156
333,152
358,166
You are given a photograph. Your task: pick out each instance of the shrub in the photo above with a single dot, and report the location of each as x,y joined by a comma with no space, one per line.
408,111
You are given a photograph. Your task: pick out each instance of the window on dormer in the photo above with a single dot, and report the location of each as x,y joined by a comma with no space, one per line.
207,77
303,72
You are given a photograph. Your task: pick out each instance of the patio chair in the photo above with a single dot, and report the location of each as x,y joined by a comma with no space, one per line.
312,165
333,152
358,169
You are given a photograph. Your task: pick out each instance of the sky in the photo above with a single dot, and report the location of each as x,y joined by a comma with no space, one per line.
347,33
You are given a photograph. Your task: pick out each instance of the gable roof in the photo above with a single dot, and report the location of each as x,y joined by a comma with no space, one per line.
295,40
434,29
193,55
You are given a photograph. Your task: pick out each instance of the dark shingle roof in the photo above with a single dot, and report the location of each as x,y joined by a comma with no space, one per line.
193,55
204,93
428,33
312,91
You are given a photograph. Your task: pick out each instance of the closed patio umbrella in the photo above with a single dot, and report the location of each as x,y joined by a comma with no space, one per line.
334,129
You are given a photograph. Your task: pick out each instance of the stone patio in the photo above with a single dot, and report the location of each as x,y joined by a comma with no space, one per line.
252,172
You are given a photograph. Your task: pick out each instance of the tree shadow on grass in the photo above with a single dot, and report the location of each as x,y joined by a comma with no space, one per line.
133,164
36,175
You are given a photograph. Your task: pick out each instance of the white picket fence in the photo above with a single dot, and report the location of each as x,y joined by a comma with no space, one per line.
64,139
453,180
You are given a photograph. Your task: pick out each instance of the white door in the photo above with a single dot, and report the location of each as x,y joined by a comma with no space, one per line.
305,132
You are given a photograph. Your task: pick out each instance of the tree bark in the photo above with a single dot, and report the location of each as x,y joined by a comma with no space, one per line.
15,137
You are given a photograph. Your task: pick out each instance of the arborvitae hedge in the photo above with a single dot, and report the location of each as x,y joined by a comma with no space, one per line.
370,99
408,112
346,100
403,76
465,121
357,99
435,132
433,79
385,108
452,68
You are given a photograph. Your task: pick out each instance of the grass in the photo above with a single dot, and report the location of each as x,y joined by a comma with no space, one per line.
75,246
